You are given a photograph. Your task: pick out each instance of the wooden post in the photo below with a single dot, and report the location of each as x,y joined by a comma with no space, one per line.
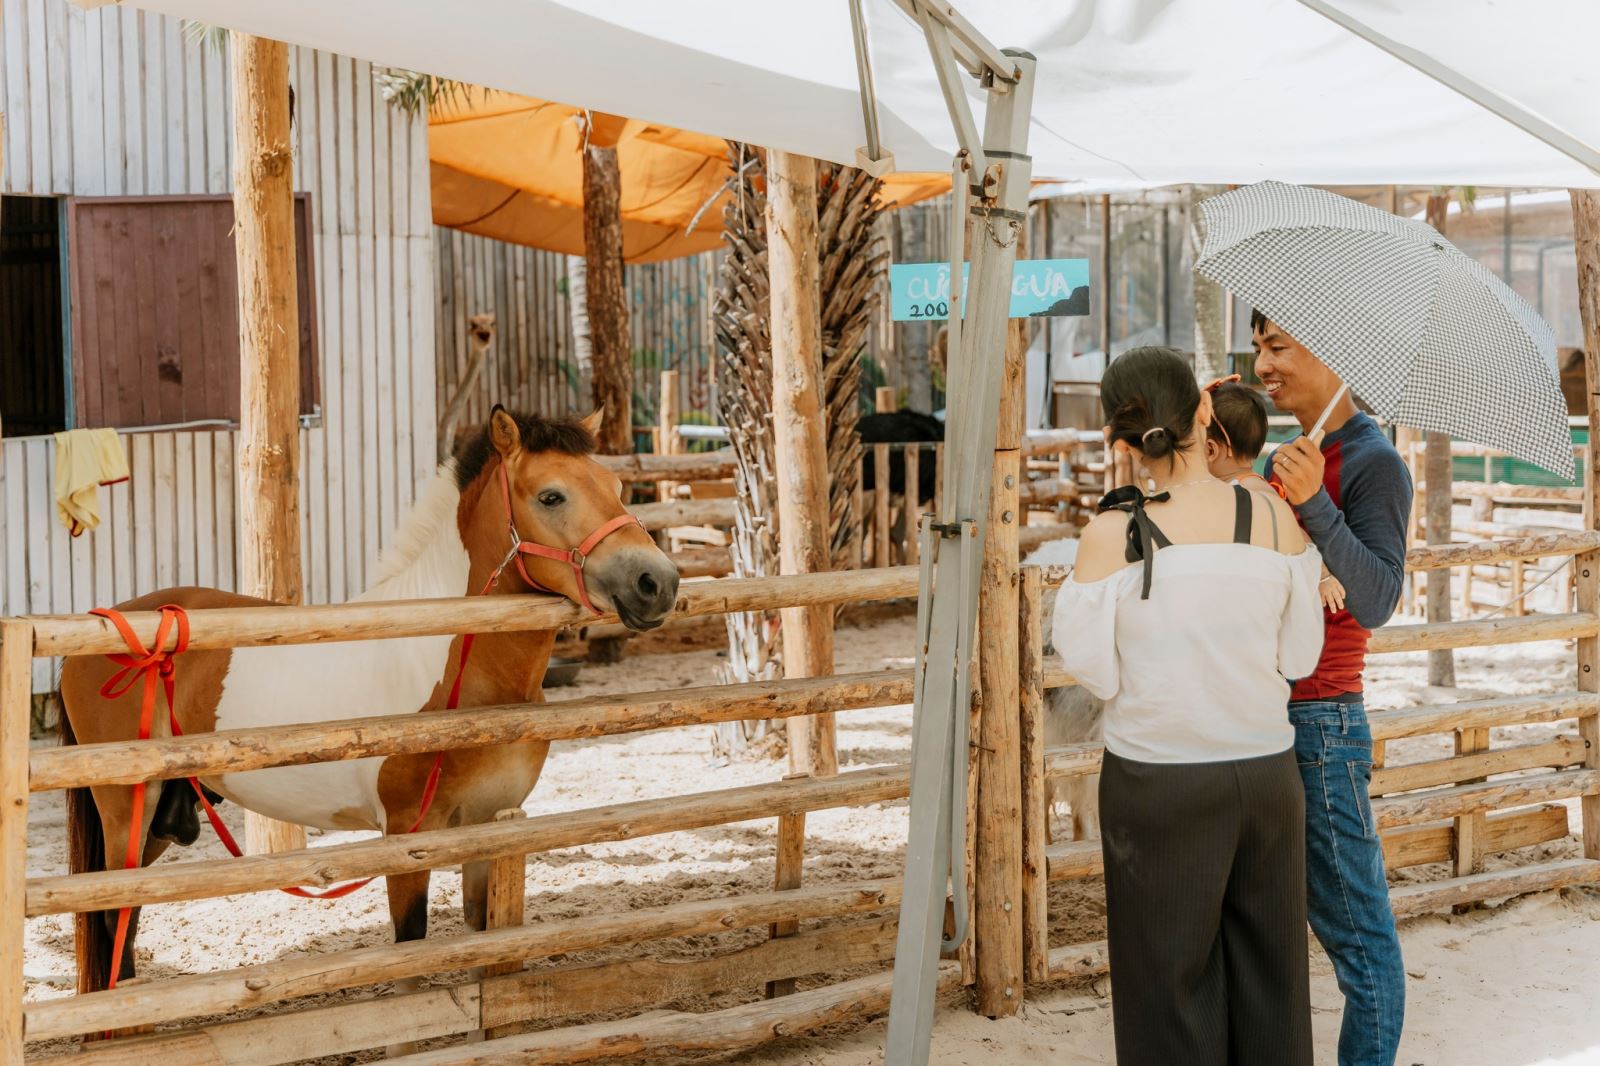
883,400
998,902
1436,472
1586,567
790,862
1035,792
16,703
911,456
798,431
668,441
1105,276
880,506
269,349
505,908
1469,829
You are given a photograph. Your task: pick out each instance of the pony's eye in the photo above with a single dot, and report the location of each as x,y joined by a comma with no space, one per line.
551,498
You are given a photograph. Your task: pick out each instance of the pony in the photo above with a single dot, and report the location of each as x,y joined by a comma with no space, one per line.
532,476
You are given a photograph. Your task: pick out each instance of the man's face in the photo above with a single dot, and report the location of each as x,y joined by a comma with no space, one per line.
1295,380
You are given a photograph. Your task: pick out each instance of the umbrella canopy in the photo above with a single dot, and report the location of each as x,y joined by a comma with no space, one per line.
511,167
1424,334
1129,90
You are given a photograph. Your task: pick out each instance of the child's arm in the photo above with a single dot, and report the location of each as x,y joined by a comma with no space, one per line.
1331,591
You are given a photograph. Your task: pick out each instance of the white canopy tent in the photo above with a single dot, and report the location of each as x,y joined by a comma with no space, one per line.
1135,93
1138,91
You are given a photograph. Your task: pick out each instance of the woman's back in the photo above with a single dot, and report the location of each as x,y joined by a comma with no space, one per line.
1186,615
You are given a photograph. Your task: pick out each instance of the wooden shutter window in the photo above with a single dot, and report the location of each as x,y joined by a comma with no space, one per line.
155,312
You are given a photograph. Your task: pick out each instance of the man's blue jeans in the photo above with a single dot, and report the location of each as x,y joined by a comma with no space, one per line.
1347,893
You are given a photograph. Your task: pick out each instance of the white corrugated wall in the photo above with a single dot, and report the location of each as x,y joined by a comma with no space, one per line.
119,102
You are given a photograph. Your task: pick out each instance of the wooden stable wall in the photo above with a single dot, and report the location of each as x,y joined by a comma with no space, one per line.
533,364
117,102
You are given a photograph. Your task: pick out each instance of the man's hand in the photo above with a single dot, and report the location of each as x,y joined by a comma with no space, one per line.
1298,467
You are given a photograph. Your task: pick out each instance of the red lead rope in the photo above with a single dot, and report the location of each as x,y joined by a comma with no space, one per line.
151,664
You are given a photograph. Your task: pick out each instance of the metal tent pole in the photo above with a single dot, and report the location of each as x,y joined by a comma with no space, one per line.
952,546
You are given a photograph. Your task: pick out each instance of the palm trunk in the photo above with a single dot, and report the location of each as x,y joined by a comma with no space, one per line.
741,316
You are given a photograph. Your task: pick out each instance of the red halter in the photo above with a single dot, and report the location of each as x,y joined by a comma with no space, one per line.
577,558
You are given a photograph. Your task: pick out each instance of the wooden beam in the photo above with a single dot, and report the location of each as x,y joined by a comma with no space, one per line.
431,849
798,431
244,627
668,415
1514,710
880,506
696,466
1586,238
1483,633
1415,845
16,706
680,1033
788,868
272,982
1473,764
1545,546
1511,792
669,513
269,349
504,908
1519,880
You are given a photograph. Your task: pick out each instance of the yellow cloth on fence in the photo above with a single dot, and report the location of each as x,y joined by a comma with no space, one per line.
85,460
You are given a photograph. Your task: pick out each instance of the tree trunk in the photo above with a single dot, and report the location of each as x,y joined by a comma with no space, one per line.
801,452
269,349
611,355
1437,475
606,299
1210,329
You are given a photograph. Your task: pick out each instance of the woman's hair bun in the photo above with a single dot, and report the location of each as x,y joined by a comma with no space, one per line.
1150,398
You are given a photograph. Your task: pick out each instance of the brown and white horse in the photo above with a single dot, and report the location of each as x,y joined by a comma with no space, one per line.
454,539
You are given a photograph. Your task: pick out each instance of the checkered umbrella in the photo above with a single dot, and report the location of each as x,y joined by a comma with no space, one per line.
1425,335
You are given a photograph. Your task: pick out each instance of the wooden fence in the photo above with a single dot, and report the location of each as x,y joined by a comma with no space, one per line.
1430,811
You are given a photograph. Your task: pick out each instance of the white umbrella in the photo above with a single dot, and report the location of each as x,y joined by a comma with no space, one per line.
1426,335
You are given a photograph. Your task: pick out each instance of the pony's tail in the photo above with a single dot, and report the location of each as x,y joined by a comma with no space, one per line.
86,853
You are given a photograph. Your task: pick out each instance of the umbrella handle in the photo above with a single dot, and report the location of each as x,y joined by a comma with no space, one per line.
1316,433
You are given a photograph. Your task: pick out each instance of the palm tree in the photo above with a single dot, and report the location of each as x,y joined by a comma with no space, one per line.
852,259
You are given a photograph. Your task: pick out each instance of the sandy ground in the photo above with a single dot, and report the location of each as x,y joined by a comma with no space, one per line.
1512,985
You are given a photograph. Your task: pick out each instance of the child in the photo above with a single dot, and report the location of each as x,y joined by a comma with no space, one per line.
1234,441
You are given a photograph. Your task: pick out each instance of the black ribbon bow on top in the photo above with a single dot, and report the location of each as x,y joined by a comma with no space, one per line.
1141,531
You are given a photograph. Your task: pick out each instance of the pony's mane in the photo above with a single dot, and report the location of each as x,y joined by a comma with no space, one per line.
428,525
564,435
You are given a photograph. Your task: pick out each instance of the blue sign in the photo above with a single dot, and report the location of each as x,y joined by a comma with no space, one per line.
1040,288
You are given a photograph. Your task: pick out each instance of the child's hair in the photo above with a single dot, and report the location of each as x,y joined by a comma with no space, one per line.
1240,424
1149,396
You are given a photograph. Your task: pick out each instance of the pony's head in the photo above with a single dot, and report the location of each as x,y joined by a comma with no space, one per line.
538,478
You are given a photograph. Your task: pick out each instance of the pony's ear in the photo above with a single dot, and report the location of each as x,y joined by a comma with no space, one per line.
503,432
592,423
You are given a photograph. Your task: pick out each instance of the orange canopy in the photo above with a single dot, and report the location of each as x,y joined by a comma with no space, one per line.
509,167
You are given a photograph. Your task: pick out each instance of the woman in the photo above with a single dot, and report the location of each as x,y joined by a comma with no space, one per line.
1186,610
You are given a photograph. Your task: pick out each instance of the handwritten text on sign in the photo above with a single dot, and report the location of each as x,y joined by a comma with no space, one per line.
1039,288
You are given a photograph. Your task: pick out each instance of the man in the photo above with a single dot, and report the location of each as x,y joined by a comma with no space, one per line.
1353,497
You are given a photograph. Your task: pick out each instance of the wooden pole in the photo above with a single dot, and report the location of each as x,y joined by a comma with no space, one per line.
882,403
1436,474
269,355
1586,567
798,430
668,441
1035,792
997,899
883,400
787,871
505,907
16,702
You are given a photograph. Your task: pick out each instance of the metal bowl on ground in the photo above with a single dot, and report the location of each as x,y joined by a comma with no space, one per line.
562,672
